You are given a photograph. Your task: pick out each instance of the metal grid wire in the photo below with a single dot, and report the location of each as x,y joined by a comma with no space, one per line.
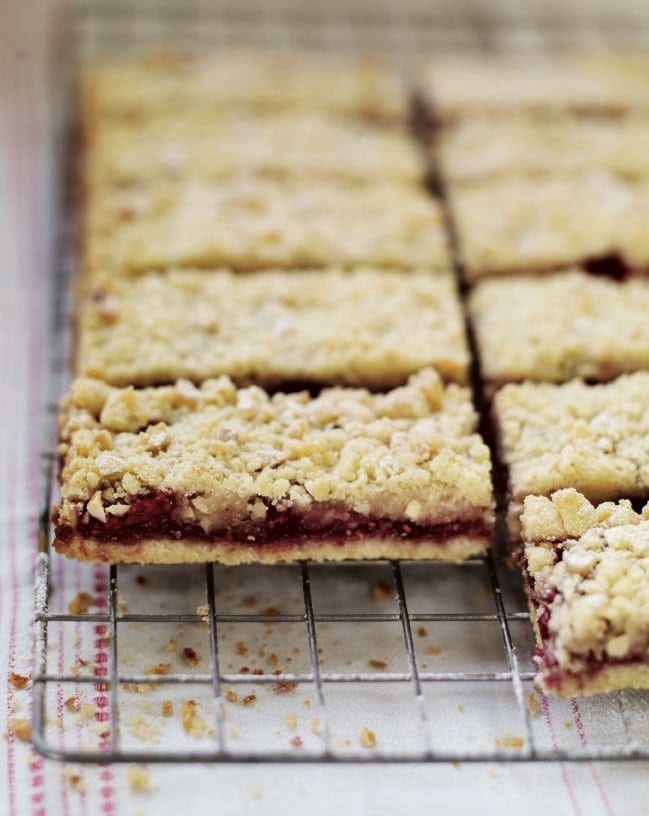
427,721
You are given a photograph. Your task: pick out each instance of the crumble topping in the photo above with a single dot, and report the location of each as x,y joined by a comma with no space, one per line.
479,147
594,438
367,327
513,224
228,455
217,145
558,327
588,571
458,87
164,83
254,223
367,738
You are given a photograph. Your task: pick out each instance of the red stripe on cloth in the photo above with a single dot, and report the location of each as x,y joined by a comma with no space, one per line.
583,739
102,701
564,771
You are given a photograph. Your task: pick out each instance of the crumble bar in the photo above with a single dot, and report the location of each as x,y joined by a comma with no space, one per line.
367,327
513,224
594,438
172,82
596,83
557,327
220,145
253,223
181,473
476,148
587,579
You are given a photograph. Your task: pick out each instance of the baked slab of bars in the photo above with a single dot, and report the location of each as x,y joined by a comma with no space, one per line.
594,438
608,84
180,473
367,327
215,145
173,82
254,223
481,147
554,328
513,224
587,579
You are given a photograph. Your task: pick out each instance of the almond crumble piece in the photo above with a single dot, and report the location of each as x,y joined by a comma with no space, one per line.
367,738
190,657
167,708
81,603
509,740
139,778
18,681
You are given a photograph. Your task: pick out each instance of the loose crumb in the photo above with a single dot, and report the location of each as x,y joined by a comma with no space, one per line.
285,687
509,740
381,591
460,708
158,668
291,720
249,699
422,631
80,604
167,708
88,711
191,720
72,704
172,646
377,664
203,610
532,704
138,778
242,649
75,780
232,697
20,729
367,738
18,681
143,729
190,657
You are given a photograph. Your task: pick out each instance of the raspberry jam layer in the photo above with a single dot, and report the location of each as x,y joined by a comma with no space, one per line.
155,515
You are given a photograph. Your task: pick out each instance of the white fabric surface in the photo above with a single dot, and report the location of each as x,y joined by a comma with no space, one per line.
31,785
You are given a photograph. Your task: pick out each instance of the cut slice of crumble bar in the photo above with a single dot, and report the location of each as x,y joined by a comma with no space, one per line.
367,327
587,579
181,473
594,438
513,224
217,145
482,147
252,223
557,327
168,83
596,83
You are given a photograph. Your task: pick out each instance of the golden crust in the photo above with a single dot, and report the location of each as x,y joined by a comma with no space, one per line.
253,223
603,83
594,438
169,551
479,148
367,327
557,327
168,83
512,224
216,146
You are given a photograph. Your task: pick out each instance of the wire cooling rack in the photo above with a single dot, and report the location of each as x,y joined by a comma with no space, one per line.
377,662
